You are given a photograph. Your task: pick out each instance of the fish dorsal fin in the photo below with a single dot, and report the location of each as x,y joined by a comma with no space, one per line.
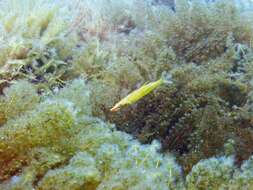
143,85
139,85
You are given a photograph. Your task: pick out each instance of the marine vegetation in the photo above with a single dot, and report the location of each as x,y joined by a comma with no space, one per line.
65,64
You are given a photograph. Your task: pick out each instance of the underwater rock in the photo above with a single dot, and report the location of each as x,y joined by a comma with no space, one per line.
64,64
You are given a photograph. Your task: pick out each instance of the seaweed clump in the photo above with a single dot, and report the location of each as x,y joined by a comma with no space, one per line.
62,69
57,144
57,141
208,106
33,44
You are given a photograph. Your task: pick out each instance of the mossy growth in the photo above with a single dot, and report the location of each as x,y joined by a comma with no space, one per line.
62,69
208,103
33,44
50,145
57,145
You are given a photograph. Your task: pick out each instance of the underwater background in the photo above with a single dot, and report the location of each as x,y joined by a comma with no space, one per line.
65,64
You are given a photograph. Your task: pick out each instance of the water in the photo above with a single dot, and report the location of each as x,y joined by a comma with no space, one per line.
65,64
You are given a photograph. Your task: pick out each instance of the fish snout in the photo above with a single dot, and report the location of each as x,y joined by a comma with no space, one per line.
115,108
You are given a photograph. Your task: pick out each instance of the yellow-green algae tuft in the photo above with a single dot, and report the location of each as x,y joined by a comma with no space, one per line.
64,64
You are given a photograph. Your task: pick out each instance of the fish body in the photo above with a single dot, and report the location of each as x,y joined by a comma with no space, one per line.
139,93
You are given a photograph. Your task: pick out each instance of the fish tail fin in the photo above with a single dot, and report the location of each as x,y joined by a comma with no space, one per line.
166,78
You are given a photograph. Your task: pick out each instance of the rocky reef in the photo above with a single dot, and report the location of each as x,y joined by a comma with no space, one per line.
63,65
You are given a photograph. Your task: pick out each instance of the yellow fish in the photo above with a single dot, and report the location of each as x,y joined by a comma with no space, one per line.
141,92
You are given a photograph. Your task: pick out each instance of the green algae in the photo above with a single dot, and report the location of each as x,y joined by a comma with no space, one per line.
63,68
